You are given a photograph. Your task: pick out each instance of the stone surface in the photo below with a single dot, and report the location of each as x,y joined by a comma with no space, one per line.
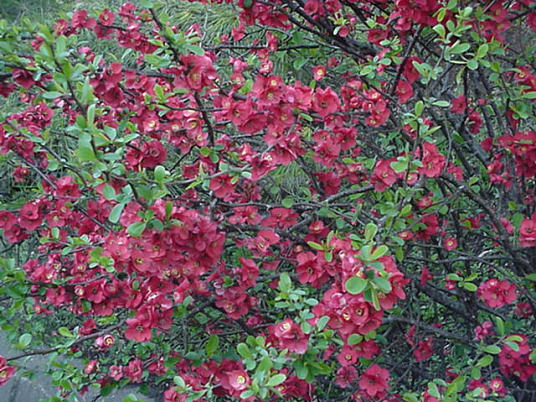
21,389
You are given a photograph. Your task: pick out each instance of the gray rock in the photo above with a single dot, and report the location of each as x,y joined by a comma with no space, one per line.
22,389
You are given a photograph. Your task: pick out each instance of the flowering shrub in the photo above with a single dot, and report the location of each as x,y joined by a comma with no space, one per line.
333,201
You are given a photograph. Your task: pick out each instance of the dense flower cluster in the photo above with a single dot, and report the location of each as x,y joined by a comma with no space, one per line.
220,228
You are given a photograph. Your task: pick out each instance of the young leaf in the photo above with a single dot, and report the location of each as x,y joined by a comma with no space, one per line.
212,345
355,285
383,284
136,229
24,340
115,214
370,231
276,380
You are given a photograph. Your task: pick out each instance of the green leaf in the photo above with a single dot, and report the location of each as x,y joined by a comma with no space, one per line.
108,192
482,51
247,394
315,245
531,277
115,214
354,339
86,154
440,30
52,95
399,166
276,380
136,229
265,364
370,231
375,300
383,284
379,252
169,209
355,285
160,174
212,345
197,50
493,349
471,287
64,331
322,322
532,356
406,210
179,381
514,338
24,340
512,345
459,48
285,283
456,385
301,369
91,115
441,103
472,65
485,361
419,108
131,398
288,202
243,350
433,390
529,95
106,390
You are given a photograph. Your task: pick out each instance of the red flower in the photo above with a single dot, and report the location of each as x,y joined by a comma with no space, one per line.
524,310
104,342
497,385
325,102
290,336
116,372
497,293
7,220
138,330
433,161
309,269
87,327
200,71
6,372
375,381
527,232
106,18
347,356
481,331
459,104
30,216
424,349
425,276
238,380
281,217
319,72
222,186
404,91
432,227
346,376
91,367
384,176
171,395
23,77
450,243
153,154
134,370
